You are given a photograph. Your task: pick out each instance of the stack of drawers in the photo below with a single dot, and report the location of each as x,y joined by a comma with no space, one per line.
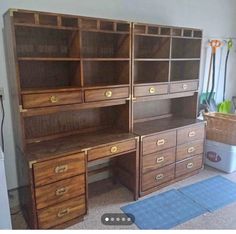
170,155
60,189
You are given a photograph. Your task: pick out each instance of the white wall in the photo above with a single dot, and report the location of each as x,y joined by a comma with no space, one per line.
216,17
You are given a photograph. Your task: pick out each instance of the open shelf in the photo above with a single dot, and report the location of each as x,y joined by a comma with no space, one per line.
184,70
46,43
103,45
105,72
151,71
151,47
186,48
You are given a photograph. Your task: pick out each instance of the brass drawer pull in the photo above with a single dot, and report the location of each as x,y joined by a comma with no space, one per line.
161,142
161,159
159,177
189,165
61,169
108,93
114,149
53,99
192,134
152,90
185,86
191,150
63,213
61,191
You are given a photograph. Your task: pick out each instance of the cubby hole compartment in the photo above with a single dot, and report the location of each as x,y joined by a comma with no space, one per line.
184,70
48,19
139,29
44,42
186,48
197,33
153,30
69,22
105,45
59,124
107,25
151,47
188,33
47,75
151,72
165,31
24,17
89,23
122,27
176,32
101,73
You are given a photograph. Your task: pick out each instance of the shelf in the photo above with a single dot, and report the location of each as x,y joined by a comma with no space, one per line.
105,85
47,59
104,31
106,59
46,90
150,59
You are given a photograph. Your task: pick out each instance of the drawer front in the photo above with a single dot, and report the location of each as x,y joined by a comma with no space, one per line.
140,91
58,169
189,165
189,149
192,133
159,142
51,99
112,149
59,191
157,177
58,214
157,160
184,87
106,94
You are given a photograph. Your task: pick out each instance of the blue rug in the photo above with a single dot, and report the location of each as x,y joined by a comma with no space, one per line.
163,211
212,193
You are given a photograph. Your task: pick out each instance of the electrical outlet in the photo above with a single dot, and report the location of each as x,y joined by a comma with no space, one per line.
2,92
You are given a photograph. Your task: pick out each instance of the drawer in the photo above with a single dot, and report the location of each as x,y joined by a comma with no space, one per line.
106,94
51,99
140,91
112,149
188,165
58,169
61,213
183,87
196,132
189,149
157,160
157,177
59,191
159,142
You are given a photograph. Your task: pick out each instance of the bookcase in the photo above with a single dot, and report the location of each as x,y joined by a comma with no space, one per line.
85,90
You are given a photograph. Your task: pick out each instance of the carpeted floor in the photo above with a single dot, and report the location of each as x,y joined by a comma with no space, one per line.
107,198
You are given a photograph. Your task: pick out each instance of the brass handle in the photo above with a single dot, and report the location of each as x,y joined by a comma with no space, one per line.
108,93
161,142
159,177
185,86
61,191
114,149
53,99
192,134
152,90
61,169
161,159
191,150
63,212
189,165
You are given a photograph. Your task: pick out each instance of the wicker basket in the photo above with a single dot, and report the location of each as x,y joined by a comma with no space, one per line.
221,127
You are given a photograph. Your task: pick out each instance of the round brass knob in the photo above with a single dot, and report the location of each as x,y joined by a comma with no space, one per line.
114,149
108,93
152,90
53,99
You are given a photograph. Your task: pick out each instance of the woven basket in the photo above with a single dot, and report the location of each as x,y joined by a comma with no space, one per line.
221,127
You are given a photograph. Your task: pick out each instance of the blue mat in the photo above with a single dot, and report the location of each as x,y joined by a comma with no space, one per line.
163,211
212,193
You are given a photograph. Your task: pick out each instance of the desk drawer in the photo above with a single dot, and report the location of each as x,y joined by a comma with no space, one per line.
189,149
51,99
59,191
140,91
62,212
189,165
158,177
196,132
58,169
157,160
106,94
112,149
183,87
159,142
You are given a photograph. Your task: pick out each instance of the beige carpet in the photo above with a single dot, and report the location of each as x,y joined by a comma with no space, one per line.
107,198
